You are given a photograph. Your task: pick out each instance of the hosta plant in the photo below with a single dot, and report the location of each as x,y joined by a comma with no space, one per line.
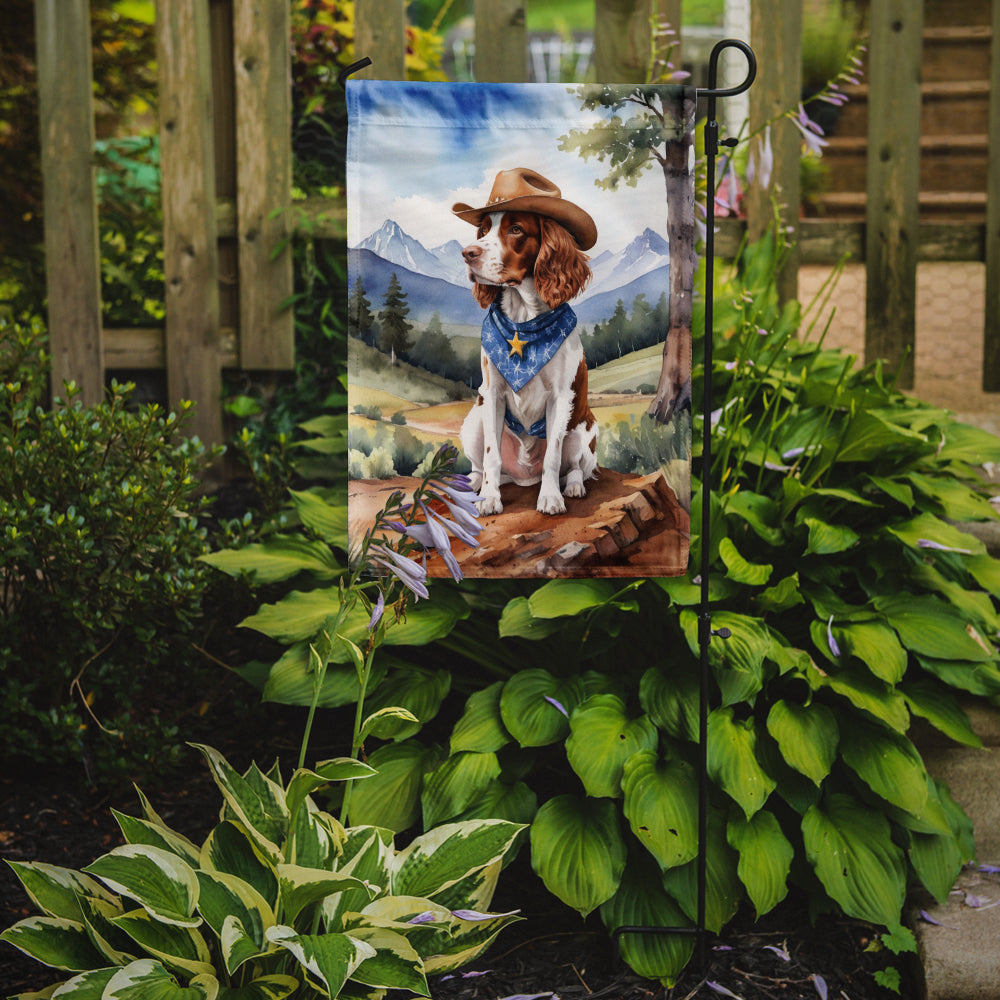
279,900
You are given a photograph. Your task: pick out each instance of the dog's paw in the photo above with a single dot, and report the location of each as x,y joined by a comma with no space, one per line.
489,505
574,491
551,503
475,481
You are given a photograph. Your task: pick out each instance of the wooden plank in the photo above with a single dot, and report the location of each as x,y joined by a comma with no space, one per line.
72,256
262,61
621,40
892,215
380,34
190,253
991,332
144,348
776,36
506,62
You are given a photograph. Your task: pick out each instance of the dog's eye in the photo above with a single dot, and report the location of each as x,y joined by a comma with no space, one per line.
516,230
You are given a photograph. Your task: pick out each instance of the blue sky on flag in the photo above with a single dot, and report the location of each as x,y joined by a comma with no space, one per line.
415,149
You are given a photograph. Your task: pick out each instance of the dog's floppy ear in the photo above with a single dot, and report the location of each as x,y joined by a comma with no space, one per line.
561,270
486,295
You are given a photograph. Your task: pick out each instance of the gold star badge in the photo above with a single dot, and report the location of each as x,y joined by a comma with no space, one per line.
517,346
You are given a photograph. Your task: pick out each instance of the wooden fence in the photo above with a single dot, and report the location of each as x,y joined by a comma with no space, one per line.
226,160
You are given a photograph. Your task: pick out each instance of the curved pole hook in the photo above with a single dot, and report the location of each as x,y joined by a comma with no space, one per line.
712,90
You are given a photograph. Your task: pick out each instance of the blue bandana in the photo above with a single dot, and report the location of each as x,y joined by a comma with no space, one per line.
520,350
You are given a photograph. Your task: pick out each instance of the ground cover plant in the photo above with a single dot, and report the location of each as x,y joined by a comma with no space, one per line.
854,604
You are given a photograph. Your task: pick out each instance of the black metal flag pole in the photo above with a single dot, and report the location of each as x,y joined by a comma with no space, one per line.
705,631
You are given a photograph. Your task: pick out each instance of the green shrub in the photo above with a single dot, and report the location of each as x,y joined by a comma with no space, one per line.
101,584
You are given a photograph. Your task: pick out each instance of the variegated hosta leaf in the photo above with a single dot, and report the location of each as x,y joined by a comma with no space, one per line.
99,915
86,986
481,727
256,801
274,987
535,706
54,941
329,959
395,964
578,851
642,902
149,980
467,940
441,857
177,947
230,849
456,784
602,737
56,891
141,831
418,691
301,887
888,763
225,897
476,890
315,838
158,880
850,847
807,736
391,799
304,782
367,853
723,889
765,858
661,805
732,760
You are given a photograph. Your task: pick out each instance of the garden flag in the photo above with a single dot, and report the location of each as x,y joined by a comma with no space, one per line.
520,269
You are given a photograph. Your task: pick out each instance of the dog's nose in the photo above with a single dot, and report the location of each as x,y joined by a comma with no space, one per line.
471,253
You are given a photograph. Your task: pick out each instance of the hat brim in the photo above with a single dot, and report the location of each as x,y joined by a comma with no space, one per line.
579,224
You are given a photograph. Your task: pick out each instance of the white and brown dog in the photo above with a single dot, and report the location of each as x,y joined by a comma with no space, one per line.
532,421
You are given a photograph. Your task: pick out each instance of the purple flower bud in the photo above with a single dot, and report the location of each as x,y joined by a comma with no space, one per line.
831,642
558,705
377,612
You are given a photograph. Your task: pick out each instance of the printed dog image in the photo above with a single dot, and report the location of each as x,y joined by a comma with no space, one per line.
532,421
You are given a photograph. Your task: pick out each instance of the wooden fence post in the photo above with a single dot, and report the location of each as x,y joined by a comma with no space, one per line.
991,333
380,34
72,254
506,61
892,215
776,35
190,251
262,60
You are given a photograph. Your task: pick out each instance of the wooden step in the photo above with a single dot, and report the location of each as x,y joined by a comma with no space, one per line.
956,53
945,12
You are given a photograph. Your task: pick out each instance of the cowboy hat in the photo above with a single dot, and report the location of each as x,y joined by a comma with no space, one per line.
525,190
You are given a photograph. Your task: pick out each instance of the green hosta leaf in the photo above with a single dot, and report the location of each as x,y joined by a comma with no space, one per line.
723,889
391,798
438,859
869,436
56,891
298,616
924,528
481,728
641,901
54,941
965,443
828,539
279,558
225,897
876,646
941,709
986,571
328,520
395,964
560,598
456,784
783,595
976,605
765,858
958,502
386,723
866,692
602,738
578,851
180,948
147,979
535,706
516,803
159,881
230,849
259,805
850,848
732,760
888,763
931,628
330,959
937,859
301,887
417,690
292,680
976,678
516,620
670,698
807,736
661,798
275,987
141,831
758,511
738,661
738,569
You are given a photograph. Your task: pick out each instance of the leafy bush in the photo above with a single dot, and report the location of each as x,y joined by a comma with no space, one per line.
99,540
279,899
854,605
